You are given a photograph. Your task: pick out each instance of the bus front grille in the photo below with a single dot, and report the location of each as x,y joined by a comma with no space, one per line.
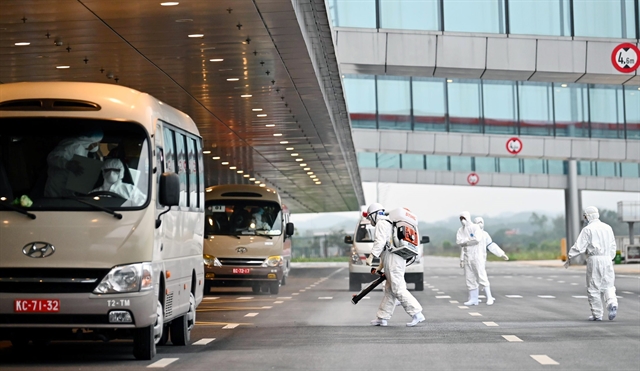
249,262
50,280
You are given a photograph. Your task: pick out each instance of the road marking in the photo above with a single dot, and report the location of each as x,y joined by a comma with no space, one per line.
546,296
230,326
627,292
308,288
513,296
539,278
544,359
580,297
620,297
251,314
204,341
549,279
245,298
560,281
303,290
267,307
443,297
490,324
325,297
295,293
553,276
574,284
453,301
366,297
512,338
482,297
440,292
508,276
435,289
475,314
163,363
211,298
463,306
313,285
278,302
283,297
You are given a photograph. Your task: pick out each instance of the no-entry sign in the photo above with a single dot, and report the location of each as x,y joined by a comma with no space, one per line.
625,57
473,179
514,145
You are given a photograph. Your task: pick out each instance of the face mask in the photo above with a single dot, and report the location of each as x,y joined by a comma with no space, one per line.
111,177
94,149
463,222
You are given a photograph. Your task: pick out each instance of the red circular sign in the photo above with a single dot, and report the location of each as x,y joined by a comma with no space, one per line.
625,58
473,179
514,145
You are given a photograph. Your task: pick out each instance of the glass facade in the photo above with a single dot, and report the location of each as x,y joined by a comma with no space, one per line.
582,18
493,107
509,165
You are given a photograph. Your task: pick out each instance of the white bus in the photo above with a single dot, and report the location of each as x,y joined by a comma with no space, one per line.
101,216
247,238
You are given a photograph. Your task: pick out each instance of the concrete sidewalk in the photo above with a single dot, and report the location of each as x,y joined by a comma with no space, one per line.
618,268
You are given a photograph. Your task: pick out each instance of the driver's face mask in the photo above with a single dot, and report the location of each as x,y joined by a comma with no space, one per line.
111,175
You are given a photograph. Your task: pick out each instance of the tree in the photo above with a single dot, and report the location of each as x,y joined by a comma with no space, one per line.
538,221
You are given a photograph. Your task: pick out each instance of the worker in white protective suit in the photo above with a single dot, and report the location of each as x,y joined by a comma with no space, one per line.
487,242
62,165
113,172
597,240
394,267
468,238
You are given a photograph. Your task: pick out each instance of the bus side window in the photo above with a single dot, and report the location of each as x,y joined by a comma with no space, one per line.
200,174
182,169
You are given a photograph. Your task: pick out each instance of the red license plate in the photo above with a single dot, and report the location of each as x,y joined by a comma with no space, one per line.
36,305
241,270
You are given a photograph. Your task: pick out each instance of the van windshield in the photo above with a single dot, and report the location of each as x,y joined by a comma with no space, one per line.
243,218
365,233
49,163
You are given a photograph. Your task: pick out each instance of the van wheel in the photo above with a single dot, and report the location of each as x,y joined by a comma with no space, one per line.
420,286
255,288
158,326
165,335
144,345
274,287
181,326
284,280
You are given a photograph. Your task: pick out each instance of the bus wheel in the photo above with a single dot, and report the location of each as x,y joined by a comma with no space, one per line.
158,327
144,345
274,287
181,326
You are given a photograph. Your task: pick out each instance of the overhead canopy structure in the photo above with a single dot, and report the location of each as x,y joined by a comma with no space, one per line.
259,77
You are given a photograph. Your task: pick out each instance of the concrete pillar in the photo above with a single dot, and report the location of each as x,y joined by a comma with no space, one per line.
572,203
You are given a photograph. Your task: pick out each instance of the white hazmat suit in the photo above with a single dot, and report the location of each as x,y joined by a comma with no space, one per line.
469,239
62,166
394,268
487,242
597,241
113,172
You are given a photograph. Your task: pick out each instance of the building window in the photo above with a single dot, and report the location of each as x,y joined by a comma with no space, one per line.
556,167
533,166
606,111
571,110
485,164
474,16
499,107
540,17
367,159
410,14
413,161
437,162
604,18
360,91
394,103
463,98
632,111
630,170
429,105
460,163
535,108
388,161
353,13
606,169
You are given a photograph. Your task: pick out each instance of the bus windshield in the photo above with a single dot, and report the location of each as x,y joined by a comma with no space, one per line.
56,163
243,218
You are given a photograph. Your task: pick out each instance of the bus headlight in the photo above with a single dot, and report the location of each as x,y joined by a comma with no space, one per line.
127,278
273,261
211,261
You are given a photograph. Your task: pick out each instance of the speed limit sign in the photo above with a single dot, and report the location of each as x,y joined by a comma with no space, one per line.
625,58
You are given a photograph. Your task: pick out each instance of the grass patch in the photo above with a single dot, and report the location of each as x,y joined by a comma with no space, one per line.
332,259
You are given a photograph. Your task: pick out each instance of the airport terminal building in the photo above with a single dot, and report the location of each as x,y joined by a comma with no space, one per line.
505,93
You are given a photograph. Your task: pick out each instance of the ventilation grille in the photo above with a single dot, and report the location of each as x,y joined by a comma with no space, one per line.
48,105
168,306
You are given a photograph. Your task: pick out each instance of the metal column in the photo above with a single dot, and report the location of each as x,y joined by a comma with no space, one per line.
572,203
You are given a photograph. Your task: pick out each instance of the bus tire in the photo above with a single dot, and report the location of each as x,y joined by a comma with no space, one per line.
274,288
181,326
255,288
144,345
284,280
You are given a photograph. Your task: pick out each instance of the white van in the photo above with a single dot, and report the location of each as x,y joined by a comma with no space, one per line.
247,238
101,216
361,243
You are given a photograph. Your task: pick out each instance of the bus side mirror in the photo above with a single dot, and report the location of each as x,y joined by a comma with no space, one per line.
424,239
168,193
289,229
348,240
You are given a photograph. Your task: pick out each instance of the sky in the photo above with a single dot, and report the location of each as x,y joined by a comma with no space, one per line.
432,203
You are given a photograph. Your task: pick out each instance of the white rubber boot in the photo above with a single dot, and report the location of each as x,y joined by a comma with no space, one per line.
473,297
490,298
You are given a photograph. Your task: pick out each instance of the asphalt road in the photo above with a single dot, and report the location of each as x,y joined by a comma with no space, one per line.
537,322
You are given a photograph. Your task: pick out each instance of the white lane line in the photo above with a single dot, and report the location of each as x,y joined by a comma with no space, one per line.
434,289
308,288
453,301
539,278
580,297
549,279
560,281
230,326
627,292
546,296
475,314
553,276
443,297
482,297
366,297
204,341
295,293
544,359
312,285
434,276
283,297
574,284
620,297
463,306
267,307
440,292
278,302
490,324
245,298
325,297
251,314
163,363
211,298
303,290
514,296
512,338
